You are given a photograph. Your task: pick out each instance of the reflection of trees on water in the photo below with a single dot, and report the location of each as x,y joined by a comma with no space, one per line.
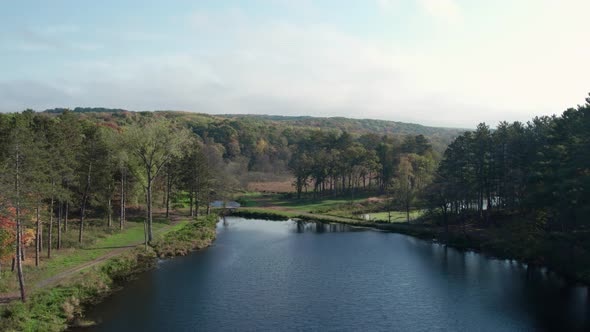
320,227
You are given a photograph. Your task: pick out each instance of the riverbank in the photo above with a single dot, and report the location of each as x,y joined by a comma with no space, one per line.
56,308
514,237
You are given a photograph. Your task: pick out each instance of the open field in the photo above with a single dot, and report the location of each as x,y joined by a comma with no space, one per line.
396,216
284,186
334,207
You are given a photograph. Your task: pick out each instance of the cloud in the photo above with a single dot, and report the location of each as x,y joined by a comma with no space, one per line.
47,38
388,5
447,11
230,62
17,95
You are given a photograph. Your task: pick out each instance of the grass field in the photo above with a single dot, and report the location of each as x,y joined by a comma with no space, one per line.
396,216
99,241
337,207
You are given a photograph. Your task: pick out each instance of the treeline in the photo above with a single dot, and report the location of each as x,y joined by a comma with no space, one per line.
57,171
263,145
540,168
330,163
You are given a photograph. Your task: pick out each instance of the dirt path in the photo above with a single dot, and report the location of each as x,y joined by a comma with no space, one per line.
84,266
8,297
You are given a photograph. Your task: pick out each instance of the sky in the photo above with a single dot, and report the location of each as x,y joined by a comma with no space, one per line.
452,63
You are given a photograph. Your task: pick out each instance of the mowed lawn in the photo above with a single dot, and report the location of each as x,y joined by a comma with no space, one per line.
338,207
396,216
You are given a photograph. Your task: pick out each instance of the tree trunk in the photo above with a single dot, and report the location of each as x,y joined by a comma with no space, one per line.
168,189
19,263
83,206
145,231
23,252
191,212
110,214
50,229
38,235
149,209
122,202
66,217
121,207
59,217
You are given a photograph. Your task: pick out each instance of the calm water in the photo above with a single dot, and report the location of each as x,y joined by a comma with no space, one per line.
277,276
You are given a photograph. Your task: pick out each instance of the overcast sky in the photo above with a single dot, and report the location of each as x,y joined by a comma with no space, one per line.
434,62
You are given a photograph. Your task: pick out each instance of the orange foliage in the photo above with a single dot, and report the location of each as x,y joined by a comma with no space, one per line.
8,233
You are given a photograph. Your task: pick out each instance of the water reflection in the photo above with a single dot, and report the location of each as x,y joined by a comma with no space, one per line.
510,288
300,226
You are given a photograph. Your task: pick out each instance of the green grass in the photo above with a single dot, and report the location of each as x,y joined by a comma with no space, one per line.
98,241
316,206
61,261
249,199
52,309
186,237
254,210
396,216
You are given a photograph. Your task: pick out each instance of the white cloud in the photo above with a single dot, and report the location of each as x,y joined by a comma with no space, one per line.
233,63
388,5
444,10
48,38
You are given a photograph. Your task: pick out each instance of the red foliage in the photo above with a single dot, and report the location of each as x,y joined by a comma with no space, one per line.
109,125
7,232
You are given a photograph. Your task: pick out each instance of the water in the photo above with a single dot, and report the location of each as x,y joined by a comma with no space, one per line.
277,276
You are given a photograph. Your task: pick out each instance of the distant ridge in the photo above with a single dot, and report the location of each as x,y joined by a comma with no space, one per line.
86,110
350,124
359,126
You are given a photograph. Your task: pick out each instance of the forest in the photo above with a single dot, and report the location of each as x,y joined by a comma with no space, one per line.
60,167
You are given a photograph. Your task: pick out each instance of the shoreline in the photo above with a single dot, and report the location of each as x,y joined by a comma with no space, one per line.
61,307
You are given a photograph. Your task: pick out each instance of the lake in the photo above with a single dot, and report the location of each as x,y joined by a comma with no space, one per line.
293,276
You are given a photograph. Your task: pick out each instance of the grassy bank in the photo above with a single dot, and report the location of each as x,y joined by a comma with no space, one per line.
54,309
263,214
184,239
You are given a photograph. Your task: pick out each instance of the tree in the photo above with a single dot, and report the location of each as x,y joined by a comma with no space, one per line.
7,232
414,174
195,176
18,161
92,168
153,144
